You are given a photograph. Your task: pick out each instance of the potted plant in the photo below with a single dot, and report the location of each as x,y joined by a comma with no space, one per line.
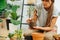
19,34
10,35
14,17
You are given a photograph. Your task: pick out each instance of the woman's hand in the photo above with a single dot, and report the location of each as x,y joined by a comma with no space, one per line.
29,20
38,28
43,28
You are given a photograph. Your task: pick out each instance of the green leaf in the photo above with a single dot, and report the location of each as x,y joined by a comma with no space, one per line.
1,20
15,22
3,4
7,14
17,17
14,8
19,33
10,35
14,15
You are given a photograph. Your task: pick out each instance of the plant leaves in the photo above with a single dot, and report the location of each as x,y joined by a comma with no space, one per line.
19,33
10,35
3,4
15,22
14,15
17,17
1,20
7,14
14,8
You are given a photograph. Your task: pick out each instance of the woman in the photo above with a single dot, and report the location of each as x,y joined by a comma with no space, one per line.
45,17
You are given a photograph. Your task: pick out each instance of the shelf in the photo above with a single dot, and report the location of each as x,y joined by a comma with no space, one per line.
29,4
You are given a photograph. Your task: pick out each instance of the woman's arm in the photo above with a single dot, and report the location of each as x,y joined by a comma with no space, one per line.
48,28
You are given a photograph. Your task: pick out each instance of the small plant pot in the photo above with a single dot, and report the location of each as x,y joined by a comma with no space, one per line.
11,39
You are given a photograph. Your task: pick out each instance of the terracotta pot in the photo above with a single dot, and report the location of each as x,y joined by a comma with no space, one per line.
38,36
11,39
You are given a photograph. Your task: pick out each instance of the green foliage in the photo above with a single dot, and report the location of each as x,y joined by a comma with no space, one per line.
19,33
10,35
7,14
14,8
12,0
15,22
3,4
14,14
1,20
14,17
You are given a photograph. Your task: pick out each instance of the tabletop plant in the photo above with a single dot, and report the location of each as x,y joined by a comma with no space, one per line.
19,34
10,35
